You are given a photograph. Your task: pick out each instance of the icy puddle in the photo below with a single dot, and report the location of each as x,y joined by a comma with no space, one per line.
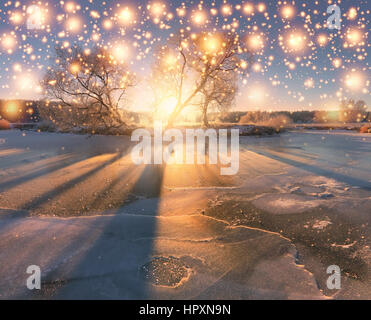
165,271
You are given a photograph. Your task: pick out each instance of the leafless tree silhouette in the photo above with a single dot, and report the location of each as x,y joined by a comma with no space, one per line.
352,111
87,89
210,62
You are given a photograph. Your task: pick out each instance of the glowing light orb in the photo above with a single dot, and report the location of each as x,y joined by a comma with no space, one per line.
70,6
12,108
170,60
336,62
287,12
255,42
226,10
296,41
354,81
354,37
213,11
95,36
121,53
352,13
309,83
157,9
37,17
248,9
73,24
181,12
16,18
95,14
243,64
126,16
75,68
211,44
8,42
199,17
261,7
322,40
107,24
17,67
256,67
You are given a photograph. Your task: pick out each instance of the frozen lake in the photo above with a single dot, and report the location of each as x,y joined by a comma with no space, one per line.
101,227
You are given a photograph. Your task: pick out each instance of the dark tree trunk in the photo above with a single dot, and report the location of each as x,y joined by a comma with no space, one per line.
205,122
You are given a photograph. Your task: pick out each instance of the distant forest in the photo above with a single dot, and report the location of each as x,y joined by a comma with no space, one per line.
21,111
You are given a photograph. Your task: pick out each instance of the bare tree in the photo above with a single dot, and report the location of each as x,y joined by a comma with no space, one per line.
218,94
210,58
352,111
86,89
209,61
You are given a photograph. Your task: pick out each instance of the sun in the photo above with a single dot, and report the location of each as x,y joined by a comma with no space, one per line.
167,106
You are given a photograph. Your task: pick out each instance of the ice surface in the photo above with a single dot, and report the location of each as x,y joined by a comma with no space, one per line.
80,209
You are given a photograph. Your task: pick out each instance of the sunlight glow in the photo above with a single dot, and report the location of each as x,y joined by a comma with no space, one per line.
167,107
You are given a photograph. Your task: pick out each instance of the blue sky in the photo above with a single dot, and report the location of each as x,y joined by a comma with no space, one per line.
299,63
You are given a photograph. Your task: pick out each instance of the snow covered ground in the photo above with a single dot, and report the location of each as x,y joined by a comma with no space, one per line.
101,227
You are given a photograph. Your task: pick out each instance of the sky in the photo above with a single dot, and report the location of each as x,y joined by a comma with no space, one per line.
299,63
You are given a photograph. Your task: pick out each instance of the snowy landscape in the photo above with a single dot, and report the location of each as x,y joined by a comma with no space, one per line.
100,227
185,150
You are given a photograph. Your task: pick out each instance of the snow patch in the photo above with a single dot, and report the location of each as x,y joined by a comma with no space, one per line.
320,225
286,203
